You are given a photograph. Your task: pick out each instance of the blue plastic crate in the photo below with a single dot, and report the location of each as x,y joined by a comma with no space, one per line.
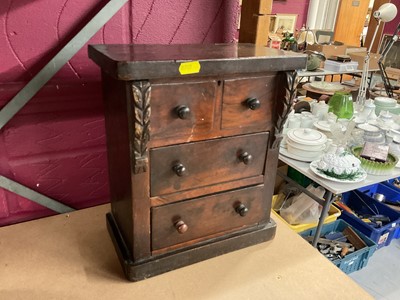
353,261
390,183
396,234
392,194
361,204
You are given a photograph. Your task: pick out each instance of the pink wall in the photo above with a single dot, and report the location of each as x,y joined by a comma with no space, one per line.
391,26
299,7
56,144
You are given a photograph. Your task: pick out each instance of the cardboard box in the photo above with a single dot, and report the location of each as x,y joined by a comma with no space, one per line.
360,58
328,50
352,49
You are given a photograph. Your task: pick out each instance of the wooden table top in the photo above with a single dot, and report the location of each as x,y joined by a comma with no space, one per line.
71,256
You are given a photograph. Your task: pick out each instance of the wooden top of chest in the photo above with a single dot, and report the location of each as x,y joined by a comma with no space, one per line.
135,62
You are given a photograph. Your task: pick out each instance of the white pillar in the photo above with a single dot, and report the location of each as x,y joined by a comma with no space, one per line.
322,14
312,13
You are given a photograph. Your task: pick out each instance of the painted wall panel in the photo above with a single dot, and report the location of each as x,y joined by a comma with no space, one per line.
299,7
56,143
390,27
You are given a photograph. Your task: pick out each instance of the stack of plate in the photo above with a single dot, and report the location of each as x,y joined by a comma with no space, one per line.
304,144
388,104
325,127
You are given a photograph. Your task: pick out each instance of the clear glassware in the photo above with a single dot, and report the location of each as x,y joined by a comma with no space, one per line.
357,138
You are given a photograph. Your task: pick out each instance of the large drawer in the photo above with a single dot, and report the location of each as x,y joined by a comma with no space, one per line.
248,103
187,166
182,109
207,216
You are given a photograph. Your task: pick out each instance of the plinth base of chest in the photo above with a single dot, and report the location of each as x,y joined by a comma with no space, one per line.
136,271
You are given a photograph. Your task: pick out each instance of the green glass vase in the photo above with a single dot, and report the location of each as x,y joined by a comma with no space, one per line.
341,104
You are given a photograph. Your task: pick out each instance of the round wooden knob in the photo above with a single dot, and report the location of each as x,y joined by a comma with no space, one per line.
242,210
183,112
181,227
179,169
253,103
246,158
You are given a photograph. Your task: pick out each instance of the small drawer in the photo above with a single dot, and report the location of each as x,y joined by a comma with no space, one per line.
207,216
187,166
248,103
182,109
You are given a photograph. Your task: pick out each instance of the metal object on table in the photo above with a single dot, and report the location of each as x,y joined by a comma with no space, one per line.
332,249
329,242
379,197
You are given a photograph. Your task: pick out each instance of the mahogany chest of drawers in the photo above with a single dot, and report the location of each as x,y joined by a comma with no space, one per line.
192,135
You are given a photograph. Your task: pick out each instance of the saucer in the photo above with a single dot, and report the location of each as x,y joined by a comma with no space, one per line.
286,153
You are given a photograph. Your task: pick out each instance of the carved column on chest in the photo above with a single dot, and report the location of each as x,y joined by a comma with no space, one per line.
141,91
292,80
141,112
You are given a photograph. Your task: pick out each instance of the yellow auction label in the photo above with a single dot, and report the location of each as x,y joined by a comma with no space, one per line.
190,67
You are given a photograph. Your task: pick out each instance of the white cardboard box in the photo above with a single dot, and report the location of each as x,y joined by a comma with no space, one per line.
336,66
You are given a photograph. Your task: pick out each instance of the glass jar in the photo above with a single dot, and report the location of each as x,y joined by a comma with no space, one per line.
341,104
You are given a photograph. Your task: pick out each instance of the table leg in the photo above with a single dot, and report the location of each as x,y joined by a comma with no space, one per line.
324,213
325,205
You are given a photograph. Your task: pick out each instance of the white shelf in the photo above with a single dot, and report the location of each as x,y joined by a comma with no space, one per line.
336,187
323,72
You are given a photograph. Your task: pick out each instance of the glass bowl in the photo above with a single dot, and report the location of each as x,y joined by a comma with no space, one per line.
376,167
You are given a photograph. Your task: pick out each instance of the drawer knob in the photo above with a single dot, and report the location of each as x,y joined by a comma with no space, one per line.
179,169
246,158
181,227
242,210
253,103
183,112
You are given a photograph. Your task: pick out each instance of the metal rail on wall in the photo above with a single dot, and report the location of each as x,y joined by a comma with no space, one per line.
34,196
38,81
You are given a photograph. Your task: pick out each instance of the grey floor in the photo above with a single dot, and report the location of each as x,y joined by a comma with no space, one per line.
381,276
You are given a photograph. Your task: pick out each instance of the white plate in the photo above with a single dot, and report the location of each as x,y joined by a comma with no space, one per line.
326,86
325,126
370,127
385,101
314,169
286,153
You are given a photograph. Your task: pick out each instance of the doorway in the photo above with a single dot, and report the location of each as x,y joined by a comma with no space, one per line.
350,21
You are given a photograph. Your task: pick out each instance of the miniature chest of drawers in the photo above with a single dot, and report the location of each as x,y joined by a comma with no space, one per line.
192,136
